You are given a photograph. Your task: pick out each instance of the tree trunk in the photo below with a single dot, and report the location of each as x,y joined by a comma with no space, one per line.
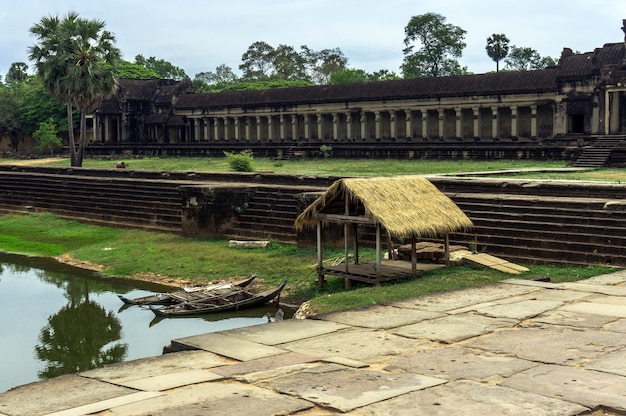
70,134
83,137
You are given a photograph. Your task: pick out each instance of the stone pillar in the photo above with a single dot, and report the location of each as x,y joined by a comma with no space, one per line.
335,126
107,136
258,128
207,130
294,127
247,128
377,125
494,122
514,121
533,121
320,132
197,134
236,121
216,128
226,132
270,128
393,132
425,123
409,124
307,127
458,128
476,112
363,126
441,115
349,126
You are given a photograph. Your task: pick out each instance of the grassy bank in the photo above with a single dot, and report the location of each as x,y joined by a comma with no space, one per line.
177,260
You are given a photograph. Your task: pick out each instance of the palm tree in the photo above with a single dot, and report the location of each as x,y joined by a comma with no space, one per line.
76,59
497,48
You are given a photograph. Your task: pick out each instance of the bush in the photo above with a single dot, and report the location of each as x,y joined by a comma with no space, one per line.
241,162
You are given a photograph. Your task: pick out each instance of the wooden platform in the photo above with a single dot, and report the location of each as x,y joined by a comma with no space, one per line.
366,272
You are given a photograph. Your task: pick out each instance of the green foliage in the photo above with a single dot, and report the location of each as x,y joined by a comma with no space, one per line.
439,44
46,136
326,150
347,76
163,68
527,59
241,162
17,73
37,104
135,71
263,85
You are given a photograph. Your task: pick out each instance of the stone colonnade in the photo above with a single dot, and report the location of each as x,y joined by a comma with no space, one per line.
371,124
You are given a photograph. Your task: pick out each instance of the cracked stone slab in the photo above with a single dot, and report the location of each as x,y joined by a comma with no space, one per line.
60,393
598,309
457,299
262,364
609,278
355,344
472,398
103,405
619,326
614,363
550,344
228,346
155,366
574,319
519,310
595,288
585,387
454,328
346,389
171,380
216,399
459,363
285,331
380,316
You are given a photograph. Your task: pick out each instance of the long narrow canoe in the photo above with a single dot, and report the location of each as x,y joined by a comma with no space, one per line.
230,302
189,294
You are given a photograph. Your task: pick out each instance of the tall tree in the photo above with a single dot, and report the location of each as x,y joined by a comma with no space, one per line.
257,61
162,67
288,64
18,72
527,59
439,43
213,81
497,48
76,59
323,63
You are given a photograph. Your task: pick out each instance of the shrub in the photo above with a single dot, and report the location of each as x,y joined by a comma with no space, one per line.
241,162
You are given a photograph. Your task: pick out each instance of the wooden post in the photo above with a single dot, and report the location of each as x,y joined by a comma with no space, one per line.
320,263
378,254
347,283
447,244
413,255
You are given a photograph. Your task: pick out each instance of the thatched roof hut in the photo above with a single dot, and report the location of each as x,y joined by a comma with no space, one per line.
406,207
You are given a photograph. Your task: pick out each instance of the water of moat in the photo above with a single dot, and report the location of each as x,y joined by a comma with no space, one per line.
55,320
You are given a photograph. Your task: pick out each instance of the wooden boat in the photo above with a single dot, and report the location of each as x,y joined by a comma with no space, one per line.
233,301
189,294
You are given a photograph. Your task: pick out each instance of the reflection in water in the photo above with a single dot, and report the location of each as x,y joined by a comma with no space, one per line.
55,319
79,337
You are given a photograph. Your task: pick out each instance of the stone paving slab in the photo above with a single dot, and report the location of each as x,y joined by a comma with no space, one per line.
216,399
519,310
104,405
597,308
574,319
619,326
550,344
587,388
618,277
261,364
459,363
355,344
471,398
346,389
380,316
155,366
285,331
453,328
228,346
171,380
595,288
456,299
614,363
60,393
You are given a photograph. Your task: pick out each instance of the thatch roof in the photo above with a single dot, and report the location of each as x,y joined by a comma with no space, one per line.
404,205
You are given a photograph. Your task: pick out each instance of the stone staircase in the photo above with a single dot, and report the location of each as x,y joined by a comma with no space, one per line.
599,152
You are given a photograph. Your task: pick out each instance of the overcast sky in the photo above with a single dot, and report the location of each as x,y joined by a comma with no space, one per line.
199,35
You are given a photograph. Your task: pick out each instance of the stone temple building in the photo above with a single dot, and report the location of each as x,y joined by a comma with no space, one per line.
584,94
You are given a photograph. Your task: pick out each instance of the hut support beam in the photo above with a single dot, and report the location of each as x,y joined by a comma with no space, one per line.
320,263
378,255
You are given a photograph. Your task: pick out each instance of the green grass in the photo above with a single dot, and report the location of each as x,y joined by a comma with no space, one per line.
172,258
321,166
